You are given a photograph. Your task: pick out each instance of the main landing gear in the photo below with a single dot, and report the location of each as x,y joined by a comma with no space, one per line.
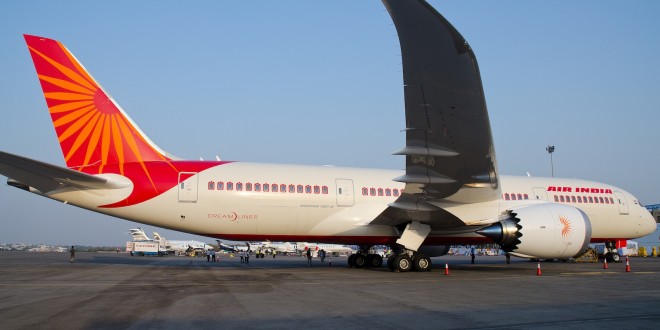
409,260
397,262
365,260
405,257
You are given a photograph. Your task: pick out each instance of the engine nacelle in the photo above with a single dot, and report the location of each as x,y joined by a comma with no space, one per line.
547,231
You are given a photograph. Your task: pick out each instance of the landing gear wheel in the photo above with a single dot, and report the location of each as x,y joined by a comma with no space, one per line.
421,263
360,260
390,262
351,261
374,260
402,263
612,257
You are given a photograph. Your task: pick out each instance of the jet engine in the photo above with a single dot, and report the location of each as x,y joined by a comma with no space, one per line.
547,231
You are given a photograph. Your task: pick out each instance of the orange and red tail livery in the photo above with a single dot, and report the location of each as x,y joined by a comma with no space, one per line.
91,128
95,134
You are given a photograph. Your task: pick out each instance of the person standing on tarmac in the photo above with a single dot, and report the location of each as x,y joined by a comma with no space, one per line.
472,253
309,256
73,253
208,255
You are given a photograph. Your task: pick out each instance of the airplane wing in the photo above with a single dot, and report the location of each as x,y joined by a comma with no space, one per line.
45,177
449,146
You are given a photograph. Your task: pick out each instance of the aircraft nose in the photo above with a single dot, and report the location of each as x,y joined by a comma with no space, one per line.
648,224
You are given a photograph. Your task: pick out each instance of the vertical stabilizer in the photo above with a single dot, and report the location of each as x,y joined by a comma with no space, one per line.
91,127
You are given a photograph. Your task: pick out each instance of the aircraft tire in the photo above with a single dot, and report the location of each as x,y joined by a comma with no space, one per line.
374,260
360,261
402,263
351,261
390,262
421,263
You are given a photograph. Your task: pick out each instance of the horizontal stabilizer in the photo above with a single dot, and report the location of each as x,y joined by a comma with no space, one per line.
46,177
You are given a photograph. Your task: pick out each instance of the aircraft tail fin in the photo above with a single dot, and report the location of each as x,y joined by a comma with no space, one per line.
93,130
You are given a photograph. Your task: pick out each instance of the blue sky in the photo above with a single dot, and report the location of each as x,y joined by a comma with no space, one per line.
319,82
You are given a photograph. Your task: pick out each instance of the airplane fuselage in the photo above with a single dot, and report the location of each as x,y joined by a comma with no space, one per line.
251,201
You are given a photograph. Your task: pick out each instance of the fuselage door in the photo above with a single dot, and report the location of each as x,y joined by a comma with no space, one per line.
540,194
623,204
188,187
345,196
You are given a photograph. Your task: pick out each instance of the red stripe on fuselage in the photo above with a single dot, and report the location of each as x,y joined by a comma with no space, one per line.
159,177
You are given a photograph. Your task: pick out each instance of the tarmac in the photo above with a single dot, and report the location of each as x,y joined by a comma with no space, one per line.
110,291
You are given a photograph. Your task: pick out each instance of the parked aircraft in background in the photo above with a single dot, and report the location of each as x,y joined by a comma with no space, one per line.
182,245
287,247
172,246
449,193
139,235
335,249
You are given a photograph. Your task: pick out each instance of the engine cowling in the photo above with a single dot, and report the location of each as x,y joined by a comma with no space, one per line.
548,231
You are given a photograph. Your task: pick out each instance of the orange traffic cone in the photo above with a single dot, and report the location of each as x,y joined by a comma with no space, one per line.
538,269
446,268
627,265
605,263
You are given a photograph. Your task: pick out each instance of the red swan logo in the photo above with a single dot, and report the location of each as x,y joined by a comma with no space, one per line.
566,231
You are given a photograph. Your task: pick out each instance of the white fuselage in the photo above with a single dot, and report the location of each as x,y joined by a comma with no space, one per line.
336,205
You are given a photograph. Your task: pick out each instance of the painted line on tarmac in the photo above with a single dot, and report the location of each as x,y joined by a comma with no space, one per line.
605,273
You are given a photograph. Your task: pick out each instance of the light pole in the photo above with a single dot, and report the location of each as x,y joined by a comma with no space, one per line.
550,149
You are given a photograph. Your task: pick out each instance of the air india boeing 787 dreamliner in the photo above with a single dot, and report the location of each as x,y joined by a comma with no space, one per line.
450,192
